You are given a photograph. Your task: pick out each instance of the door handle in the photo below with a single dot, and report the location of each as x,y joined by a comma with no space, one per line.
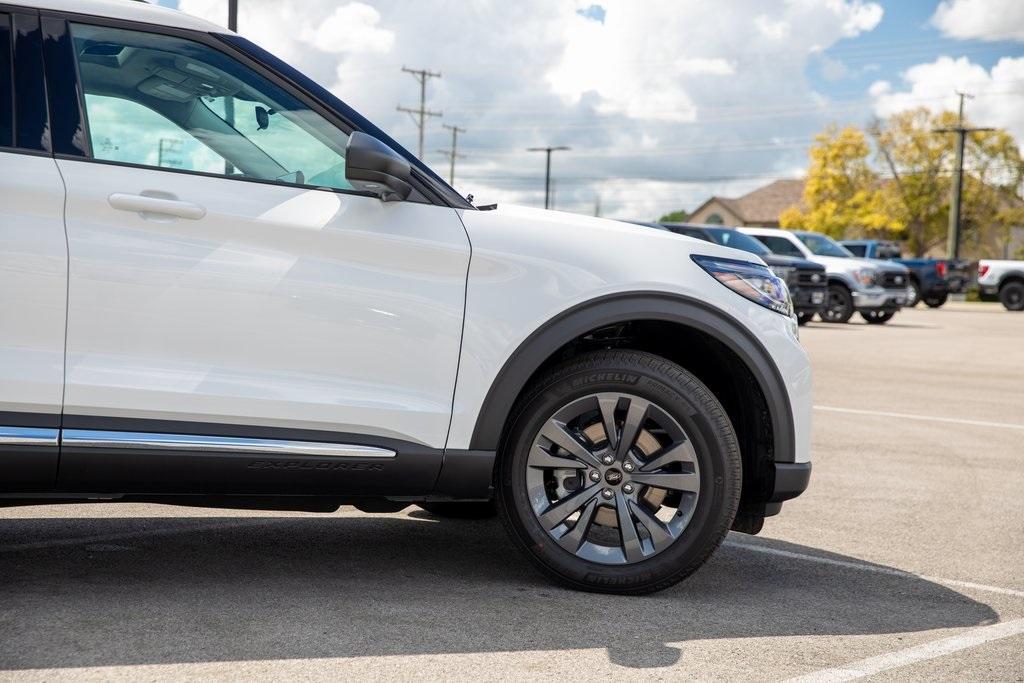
140,203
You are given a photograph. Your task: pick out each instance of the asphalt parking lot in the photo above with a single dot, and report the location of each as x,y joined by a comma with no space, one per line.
905,559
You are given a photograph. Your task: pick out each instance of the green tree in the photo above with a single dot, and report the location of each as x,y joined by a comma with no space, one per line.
679,216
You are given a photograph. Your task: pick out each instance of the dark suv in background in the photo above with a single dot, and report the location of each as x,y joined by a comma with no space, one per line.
931,280
806,280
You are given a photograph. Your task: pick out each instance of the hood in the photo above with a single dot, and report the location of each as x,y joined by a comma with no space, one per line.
886,266
792,262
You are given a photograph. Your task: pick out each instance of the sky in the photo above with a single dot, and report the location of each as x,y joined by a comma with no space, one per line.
663,103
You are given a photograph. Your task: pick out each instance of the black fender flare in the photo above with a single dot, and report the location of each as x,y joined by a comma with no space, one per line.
626,307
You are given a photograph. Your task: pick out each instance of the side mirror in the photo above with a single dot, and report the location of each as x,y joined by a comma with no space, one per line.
372,166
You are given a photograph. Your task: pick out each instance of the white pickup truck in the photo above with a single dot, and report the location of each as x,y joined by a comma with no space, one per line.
1004,279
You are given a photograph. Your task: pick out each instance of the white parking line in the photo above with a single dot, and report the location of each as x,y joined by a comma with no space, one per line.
861,566
918,653
926,418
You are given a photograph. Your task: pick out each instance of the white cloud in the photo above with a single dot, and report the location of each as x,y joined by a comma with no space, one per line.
351,28
999,92
989,20
710,82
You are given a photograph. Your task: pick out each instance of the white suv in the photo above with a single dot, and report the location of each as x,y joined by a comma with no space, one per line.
220,285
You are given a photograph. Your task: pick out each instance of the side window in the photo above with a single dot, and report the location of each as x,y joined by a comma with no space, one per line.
167,102
780,245
857,249
6,84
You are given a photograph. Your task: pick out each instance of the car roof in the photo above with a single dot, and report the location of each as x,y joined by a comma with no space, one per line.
131,10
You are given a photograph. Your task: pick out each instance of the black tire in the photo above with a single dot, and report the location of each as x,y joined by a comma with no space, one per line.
636,379
936,301
913,293
804,318
877,317
454,510
838,305
1011,295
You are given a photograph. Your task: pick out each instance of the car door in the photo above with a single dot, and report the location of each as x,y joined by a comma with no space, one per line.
230,293
33,266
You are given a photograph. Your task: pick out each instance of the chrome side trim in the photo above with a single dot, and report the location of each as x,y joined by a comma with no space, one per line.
28,436
88,438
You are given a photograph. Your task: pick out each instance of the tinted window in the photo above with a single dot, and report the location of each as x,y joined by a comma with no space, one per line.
6,84
737,240
32,128
779,245
857,249
163,101
822,245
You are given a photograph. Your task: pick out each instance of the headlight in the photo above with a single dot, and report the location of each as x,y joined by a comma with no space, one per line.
864,276
750,280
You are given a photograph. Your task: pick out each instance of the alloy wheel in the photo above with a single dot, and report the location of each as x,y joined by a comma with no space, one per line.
613,478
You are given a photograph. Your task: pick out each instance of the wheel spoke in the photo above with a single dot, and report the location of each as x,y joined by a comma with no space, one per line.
682,481
607,405
555,432
627,530
635,416
660,535
560,511
541,458
572,540
681,452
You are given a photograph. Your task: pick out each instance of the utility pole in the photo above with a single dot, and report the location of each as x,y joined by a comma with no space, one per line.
597,206
422,76
453,154
547,171
956,191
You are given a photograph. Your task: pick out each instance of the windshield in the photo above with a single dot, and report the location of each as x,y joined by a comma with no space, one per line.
737,240
822,245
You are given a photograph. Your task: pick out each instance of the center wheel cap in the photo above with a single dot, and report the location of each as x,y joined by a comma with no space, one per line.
613,476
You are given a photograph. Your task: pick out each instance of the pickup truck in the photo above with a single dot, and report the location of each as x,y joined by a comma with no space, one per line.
931,280
1004,279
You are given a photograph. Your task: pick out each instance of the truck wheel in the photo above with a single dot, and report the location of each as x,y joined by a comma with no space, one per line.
455,510
913,294
621,473
1012,296
936,301
804,318
839,307
877,317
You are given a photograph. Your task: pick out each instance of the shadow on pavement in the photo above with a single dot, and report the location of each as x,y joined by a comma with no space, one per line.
304,587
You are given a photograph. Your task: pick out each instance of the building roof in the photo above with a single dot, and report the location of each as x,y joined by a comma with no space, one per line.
131,10
764,204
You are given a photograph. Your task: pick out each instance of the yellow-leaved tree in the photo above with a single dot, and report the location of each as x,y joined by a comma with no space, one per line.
842,190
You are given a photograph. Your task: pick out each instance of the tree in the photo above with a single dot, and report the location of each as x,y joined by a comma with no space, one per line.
842,191
904,193
679,216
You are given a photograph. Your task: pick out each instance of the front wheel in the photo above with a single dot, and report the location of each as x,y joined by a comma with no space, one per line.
839,308
1012,296
804,318
936,301
913,294
621,473
877,317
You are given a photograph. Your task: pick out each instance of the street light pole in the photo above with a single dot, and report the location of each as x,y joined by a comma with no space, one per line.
547,169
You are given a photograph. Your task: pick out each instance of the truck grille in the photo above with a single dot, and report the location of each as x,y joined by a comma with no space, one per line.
894,280
810,278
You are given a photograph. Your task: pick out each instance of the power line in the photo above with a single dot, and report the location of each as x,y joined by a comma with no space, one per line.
956,192
422,76
453,154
